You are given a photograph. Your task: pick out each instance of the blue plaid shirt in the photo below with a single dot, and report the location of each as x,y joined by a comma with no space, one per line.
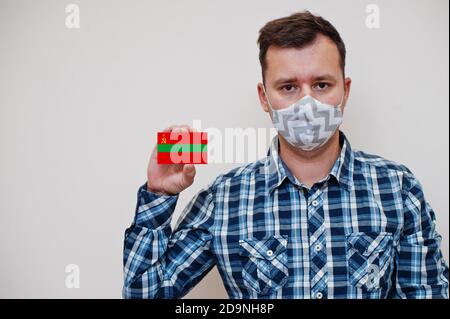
364,231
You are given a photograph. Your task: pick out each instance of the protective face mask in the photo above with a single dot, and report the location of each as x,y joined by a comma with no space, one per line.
308,123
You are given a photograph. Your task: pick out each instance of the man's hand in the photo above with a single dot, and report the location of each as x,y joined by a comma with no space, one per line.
169,179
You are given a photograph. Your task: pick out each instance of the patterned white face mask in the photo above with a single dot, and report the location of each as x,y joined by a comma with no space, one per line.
308,123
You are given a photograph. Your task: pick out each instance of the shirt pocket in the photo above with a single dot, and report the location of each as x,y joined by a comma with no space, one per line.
369,259
264,263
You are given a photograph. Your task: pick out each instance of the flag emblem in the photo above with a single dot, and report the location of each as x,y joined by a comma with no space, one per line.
182,148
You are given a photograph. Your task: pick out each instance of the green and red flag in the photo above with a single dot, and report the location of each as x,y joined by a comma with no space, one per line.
182,148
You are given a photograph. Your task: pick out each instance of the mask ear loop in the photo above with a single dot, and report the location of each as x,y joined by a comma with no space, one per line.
342,100
267,98
277,148
340,104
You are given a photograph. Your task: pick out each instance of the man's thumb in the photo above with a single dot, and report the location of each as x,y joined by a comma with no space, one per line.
189,172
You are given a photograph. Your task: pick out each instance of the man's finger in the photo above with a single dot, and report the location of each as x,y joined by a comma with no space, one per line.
171,127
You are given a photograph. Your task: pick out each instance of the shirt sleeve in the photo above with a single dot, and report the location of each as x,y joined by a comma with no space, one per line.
421,271
159,263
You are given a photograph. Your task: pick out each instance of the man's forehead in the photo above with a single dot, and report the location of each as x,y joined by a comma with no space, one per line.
313,60
322,45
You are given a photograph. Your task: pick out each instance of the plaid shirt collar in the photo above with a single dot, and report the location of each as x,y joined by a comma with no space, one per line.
277,171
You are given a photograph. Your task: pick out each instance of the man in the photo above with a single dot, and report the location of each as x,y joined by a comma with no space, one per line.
314,219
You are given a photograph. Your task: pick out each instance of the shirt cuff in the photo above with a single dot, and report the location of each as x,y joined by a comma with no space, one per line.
154,210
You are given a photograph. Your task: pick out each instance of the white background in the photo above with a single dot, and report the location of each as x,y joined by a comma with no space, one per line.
80,108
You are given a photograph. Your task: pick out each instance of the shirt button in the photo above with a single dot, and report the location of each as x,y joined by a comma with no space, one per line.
269,253
315,203
319,295
318,247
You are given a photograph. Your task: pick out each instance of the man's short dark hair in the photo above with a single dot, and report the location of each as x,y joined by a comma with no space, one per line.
297,31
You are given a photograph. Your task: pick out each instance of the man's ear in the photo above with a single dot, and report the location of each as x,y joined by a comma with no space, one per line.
347,86
262,98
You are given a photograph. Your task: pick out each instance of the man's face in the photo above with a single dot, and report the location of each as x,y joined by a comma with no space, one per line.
314,70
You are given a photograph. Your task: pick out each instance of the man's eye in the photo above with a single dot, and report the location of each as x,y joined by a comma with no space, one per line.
288,88
322,86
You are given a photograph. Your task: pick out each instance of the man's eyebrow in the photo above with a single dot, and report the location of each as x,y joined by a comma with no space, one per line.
284,81
324,77
321,77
